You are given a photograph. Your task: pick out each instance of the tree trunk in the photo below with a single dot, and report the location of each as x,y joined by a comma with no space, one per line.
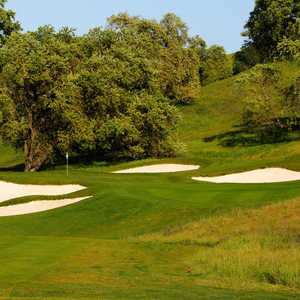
35,153
35,158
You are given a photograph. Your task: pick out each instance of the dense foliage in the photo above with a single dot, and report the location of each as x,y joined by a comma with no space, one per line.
288,49
214,64
270,103
109,93
163,44
245,59
272,32
270,22
60,95
36,89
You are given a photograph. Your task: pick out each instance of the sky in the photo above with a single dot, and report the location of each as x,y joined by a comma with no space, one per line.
216,21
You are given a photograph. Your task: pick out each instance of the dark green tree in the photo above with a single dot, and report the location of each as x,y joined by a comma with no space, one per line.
270,22
164,44
215,65
121,97
37,99
94,95
245,59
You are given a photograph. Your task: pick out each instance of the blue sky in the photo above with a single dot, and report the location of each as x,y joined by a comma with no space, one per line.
216,21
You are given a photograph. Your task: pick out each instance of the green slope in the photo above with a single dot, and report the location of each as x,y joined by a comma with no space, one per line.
136,237
214,138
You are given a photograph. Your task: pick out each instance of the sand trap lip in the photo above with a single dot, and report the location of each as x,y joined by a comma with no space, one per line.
36,206
12,190
268,175
162,168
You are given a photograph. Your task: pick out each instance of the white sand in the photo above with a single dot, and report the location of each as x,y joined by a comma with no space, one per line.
11,190
163,168
36,206
256,176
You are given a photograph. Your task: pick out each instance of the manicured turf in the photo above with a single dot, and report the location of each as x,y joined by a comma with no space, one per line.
92,249
137,236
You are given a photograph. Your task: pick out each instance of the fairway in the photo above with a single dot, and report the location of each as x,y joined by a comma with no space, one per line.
109,246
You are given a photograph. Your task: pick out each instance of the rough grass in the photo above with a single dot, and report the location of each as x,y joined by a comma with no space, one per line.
250,248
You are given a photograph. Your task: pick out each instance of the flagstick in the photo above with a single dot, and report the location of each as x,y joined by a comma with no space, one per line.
67,157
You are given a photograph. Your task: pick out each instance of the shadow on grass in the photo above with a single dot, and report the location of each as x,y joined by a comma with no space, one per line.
16,168
244,136
84,160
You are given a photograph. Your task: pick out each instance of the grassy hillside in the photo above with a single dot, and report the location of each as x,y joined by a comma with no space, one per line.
138,235
214,137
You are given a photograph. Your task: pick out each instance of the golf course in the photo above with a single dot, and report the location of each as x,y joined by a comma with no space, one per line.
138,234
137,163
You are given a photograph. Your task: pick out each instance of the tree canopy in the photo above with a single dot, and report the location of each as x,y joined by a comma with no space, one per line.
164,43
99,94
270,104
35,91
270,22
111,93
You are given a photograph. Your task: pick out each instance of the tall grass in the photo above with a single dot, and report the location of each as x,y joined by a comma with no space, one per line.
248,248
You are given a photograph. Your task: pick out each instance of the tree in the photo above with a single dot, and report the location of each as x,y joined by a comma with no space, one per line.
198,45
35,92
94,95
163,44
213,63
120,95
175,28
270,22
245,59
7,23
66,34
288,50
178,74
267,105
44,33
216,65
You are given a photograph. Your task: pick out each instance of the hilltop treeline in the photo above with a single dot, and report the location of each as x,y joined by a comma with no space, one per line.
110,93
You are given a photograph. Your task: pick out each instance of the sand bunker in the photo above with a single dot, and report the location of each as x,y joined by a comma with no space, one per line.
36,206
257,176
164,168
11,190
